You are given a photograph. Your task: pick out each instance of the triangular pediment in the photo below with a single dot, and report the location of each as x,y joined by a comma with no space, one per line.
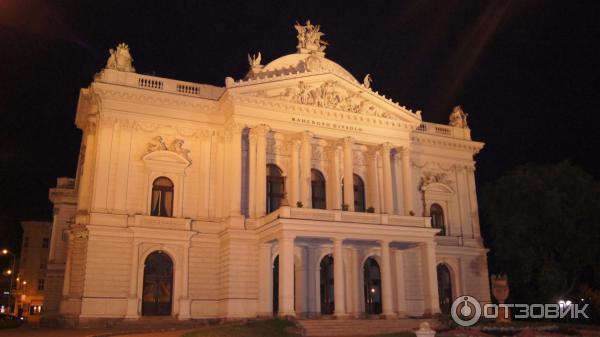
327,91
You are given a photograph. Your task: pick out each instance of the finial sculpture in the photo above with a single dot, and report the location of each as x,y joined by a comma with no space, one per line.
458,118
367,81
500,291
309,38
120,59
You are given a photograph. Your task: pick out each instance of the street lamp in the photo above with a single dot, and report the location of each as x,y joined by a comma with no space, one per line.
11,273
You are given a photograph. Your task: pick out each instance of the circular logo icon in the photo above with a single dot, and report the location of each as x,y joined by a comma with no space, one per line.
466,310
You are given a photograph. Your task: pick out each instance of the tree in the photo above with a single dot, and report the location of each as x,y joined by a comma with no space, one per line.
542,225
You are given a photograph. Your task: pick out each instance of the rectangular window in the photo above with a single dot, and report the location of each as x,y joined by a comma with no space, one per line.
45,243
41,284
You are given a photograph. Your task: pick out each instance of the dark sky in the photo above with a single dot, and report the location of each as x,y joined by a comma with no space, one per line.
526,71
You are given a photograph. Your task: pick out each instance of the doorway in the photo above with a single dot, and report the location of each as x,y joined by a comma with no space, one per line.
157,295
372,287
326,280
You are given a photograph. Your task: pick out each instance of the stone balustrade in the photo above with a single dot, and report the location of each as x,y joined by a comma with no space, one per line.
344,216
159,84
444,130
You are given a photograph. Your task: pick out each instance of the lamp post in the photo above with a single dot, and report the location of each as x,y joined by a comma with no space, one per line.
12,275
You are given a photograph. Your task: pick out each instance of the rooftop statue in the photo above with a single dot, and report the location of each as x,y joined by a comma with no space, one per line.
309,37
120,59
367,81
458,118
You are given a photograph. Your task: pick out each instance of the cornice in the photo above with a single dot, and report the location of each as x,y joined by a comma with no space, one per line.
141,96
446,142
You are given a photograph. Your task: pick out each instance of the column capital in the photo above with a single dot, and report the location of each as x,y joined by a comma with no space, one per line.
306,136
347,141
336,239
260,130
384,242
371,153
234,127
386,147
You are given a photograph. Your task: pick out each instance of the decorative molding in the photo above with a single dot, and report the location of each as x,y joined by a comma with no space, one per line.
430,177
186,103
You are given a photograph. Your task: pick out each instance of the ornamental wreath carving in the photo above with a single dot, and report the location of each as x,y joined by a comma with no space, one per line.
158,144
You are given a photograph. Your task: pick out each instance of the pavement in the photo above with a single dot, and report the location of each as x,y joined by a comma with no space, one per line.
35,331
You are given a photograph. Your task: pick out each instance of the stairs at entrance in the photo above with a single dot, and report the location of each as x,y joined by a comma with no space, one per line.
360,327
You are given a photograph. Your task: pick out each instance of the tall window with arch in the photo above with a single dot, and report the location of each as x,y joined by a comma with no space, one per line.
317,182
162,197
359,193
275,187
436,212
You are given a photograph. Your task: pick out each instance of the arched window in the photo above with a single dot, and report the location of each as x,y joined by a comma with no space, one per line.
275,187
359,193
162,197
317,182
437,218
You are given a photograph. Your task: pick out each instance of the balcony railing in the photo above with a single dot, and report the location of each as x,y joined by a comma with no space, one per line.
343,216
444,130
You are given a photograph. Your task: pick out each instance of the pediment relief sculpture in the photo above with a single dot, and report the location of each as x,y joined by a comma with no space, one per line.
120,59
330,95
158,144
434,177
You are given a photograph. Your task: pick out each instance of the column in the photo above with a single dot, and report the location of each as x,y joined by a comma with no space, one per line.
400,284
261,169
338,278
184,300
235,192
398,187
286,276
348,174
293,178
67,278
372,180
473,201
252,138
333,185
407,181
311,287
132,300
86,168
430,289
305,164
387,179
386,280
265,281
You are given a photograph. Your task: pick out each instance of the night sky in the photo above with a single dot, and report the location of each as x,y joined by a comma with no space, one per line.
527,72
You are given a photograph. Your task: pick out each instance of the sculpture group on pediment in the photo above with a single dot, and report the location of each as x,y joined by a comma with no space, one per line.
458,118
434,177
158,144
120,59
309,37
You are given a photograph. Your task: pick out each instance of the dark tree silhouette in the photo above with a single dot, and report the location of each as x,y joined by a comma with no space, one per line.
542,225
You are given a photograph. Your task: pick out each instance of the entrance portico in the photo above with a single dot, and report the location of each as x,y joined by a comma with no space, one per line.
303,238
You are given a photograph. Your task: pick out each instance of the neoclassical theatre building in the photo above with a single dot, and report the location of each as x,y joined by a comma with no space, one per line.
295,191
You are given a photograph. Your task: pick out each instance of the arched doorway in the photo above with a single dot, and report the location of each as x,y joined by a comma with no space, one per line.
326,280
444,288
275,187
372,287
157,298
